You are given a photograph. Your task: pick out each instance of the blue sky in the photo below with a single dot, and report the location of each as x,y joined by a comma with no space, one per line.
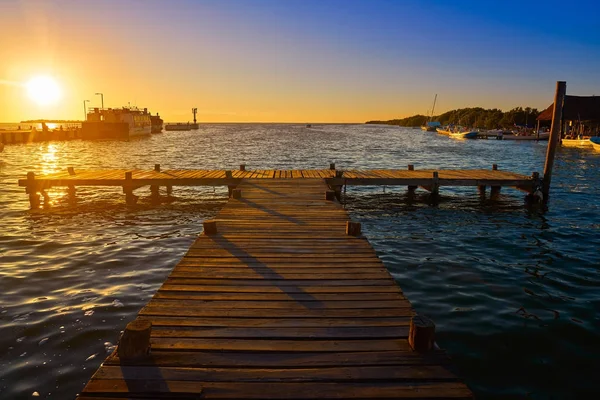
308,60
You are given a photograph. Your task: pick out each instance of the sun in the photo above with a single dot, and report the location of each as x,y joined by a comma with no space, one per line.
43,90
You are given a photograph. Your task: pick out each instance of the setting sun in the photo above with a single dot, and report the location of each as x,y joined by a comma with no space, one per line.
43,90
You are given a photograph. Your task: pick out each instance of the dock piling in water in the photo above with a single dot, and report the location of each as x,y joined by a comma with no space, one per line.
135,341
555,130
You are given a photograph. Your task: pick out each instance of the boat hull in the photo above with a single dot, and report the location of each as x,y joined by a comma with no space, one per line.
576,142
464,135
595,141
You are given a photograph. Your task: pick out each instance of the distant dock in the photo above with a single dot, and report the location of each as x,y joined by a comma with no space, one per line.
281,297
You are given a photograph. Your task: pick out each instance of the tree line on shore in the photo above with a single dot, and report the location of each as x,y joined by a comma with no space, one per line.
475,117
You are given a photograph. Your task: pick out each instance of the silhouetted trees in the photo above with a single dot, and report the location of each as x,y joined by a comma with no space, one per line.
475,117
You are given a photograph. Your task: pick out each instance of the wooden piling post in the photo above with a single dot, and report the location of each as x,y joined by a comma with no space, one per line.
330,195
353,228
72,194
210,227
242,167
130,198
135,341
435,184
411,188
169,190
494,190
71,171
559,99
421,334
31,189
154,189
236,193
482,189
331,165
228,174
339,173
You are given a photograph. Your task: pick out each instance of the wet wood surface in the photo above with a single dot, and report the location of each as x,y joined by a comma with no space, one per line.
254,312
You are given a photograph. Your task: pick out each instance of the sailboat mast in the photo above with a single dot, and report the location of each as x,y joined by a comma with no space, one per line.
433,108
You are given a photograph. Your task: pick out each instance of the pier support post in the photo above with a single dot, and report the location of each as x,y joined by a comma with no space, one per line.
236,193
154,189
353,228
330,195
421,334
72,193
482,189
331,165
495,190
169,190
559,98
228,174
242,167
71,171
535,195
210,227
31,189
135,341
130,198
435,184
411,188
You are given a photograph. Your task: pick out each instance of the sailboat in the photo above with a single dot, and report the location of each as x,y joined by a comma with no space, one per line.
431,126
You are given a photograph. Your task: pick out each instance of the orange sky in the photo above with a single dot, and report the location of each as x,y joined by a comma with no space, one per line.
253,64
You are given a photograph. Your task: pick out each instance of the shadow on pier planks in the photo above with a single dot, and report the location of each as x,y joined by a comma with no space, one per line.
279,303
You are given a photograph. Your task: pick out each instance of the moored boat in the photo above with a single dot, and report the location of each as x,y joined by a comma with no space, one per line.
577,142
116,123
464,135
431,126
595,141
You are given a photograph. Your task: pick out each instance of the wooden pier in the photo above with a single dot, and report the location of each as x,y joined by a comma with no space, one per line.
279,298
130,180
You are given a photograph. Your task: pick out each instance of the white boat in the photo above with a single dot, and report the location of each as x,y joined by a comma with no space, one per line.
116,123
579,142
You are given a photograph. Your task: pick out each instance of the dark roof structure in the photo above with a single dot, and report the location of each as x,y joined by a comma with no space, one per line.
575,108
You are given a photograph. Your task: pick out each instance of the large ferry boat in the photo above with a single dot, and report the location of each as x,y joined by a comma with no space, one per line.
116,123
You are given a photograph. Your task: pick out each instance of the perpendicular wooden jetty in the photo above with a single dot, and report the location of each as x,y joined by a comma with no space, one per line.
130,180
281,297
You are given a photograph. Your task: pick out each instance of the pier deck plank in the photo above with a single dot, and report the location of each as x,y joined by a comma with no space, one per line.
261,314
391,177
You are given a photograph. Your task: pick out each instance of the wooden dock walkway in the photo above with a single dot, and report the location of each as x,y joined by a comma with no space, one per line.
430,180
278,303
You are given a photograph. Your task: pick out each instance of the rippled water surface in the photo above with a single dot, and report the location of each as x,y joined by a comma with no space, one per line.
513,291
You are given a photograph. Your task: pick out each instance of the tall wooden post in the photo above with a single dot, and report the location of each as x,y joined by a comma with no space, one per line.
495,190
411,188
559,99
130,198
31,189
154,189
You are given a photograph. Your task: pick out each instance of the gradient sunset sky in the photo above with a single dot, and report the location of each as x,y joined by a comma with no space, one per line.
295,60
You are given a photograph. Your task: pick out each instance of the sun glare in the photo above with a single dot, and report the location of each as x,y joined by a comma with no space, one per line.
43,90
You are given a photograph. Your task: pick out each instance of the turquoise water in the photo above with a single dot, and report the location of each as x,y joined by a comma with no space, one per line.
513,290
